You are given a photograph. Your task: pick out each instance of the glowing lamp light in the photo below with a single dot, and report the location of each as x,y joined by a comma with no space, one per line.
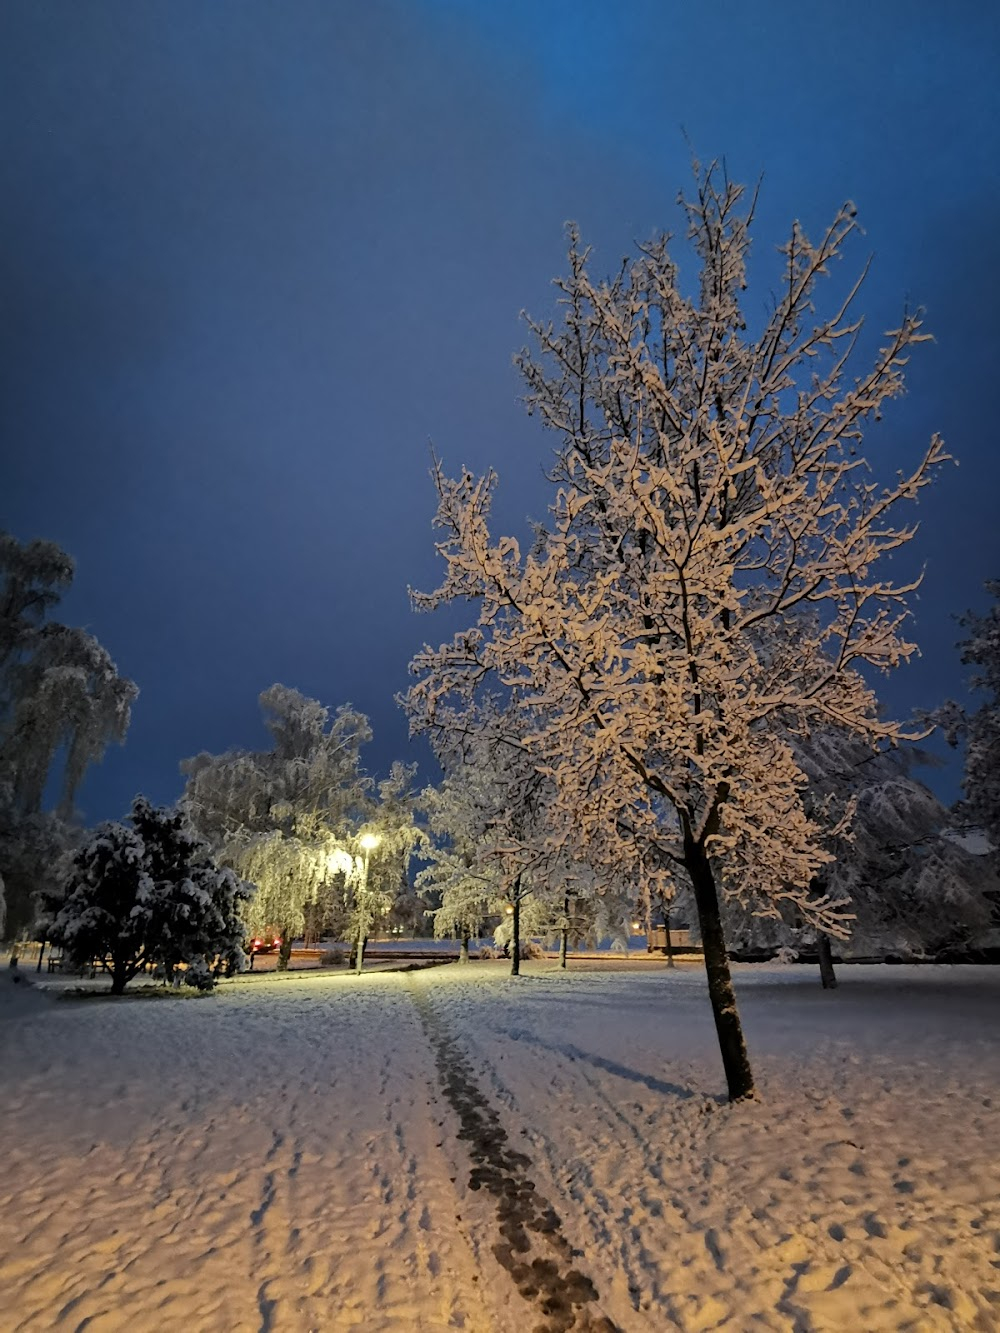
509,911
369,841
635,926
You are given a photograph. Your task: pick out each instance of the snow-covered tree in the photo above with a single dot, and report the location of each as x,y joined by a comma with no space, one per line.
198,918
388,839
500,854
980,728
62,703
145,894
60,694
312,774
100,911
709,484
31,850
279,817
289,874
464,888
911,888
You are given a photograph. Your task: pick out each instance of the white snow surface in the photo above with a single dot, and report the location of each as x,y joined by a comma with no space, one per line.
282,1155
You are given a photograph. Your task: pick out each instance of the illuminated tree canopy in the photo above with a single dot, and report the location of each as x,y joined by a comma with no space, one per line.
708,491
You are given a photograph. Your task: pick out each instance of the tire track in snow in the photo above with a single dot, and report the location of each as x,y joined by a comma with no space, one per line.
565,1296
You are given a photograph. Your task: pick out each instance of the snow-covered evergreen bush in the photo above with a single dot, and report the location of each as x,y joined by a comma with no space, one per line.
148,894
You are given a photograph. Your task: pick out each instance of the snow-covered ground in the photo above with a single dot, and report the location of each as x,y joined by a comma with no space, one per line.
457,1149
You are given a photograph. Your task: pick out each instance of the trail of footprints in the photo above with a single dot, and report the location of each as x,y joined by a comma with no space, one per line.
531,1246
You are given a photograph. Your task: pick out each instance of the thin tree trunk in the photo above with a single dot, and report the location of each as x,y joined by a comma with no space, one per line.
826,972
515,943
284,950
735,1060
359,952
668,944
463,952
41,955
564,933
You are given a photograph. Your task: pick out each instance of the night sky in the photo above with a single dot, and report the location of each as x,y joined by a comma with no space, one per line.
256,256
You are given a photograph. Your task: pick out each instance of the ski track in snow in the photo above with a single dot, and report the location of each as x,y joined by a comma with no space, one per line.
281,1156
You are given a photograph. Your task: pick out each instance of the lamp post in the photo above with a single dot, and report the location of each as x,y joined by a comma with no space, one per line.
368,842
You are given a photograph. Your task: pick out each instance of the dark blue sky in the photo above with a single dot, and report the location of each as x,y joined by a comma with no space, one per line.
255,256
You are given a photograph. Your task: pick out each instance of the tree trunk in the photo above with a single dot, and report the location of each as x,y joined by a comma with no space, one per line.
564,934
359,953
41,955
463,951
826,972
119,980
668,944
284,950
735,1060
515,943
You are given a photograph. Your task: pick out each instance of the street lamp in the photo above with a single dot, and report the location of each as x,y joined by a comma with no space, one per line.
369,841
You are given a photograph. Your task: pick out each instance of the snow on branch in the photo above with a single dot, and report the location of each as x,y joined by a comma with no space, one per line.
711,577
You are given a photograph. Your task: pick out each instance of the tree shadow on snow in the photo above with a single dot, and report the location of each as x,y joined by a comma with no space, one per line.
574,1053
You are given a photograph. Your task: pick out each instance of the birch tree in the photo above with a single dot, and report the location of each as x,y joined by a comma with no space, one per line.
708,483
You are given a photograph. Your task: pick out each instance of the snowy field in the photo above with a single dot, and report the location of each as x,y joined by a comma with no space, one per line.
454,1149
